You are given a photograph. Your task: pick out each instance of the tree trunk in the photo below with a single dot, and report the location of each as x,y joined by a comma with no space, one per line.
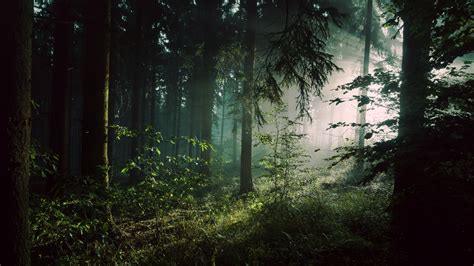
113,88
177,125
234,143
363,92
194,108
246,183
60,97
137,87
153,96
411,224
96,90
171,102
221,145
209,19
15,126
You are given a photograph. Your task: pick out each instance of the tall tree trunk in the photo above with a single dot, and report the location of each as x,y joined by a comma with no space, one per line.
177,124
362,112
171,102
194,108
234,143
411,224
246,183
113,88
221,145
137,87
235,121
153,96
96,90
60,109
209,19
15,126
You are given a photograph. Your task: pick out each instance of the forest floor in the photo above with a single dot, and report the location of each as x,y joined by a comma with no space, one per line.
322,222
334,225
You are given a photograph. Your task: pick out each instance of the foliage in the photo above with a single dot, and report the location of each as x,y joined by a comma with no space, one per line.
164,181
285,163
296,56
150,163
452,27
448,119
163,220
43,163
330,227
72,228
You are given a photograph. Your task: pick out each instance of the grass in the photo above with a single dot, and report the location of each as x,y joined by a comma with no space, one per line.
340,225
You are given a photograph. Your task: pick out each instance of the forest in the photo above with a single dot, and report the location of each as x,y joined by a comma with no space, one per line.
237,132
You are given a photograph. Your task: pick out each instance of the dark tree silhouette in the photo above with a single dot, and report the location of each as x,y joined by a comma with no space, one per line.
246,184
96,90
60,106
15,126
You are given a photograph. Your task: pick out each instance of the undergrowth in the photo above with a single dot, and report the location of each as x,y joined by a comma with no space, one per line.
336,226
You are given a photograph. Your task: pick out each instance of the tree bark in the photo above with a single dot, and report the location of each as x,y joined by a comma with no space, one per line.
96,90
209,18
113,87
411,224
60,109
362,112
221,145
234,143
246,183
137,87
177,124
15,126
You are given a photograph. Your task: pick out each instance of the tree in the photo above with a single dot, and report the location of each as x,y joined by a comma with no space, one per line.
96,90
294,56
15,124
411,227
209,18
138,81
60,106
365,70
246,183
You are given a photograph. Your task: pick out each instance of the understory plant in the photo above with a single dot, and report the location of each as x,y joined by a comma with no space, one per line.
285,164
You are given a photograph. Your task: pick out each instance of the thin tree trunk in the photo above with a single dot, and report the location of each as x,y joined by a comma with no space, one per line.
15,126
153,101
223,119
194,129
192,112
246,183
234,142
362,112
96,90
178,123
171,104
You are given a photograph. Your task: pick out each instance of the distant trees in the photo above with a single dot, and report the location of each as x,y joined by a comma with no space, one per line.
15,126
